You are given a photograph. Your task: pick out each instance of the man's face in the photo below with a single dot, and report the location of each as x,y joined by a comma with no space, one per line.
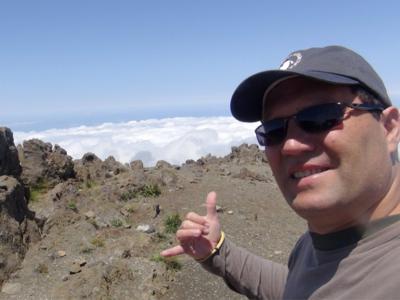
332,179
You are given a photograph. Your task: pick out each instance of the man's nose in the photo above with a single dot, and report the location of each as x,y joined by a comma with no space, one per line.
297,141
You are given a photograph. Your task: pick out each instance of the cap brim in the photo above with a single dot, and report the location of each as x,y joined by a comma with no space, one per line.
246,102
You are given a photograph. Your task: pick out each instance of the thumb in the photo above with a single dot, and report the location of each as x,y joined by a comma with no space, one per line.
211,204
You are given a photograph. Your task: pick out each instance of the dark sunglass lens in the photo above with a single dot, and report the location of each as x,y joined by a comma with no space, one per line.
260,134
320,118
275,131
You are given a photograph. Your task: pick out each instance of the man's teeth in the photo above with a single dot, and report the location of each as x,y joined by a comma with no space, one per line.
301,174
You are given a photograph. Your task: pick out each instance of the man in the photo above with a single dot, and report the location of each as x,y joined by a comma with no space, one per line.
330,134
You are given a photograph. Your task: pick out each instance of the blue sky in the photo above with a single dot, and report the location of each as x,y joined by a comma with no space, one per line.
71,62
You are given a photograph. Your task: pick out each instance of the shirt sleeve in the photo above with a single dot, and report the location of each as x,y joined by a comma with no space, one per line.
246,273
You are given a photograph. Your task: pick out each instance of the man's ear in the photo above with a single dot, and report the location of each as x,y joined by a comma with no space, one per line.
391,122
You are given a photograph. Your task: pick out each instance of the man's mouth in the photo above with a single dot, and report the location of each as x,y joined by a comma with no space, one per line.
305,173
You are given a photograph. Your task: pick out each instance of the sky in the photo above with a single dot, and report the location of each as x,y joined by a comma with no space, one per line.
72,63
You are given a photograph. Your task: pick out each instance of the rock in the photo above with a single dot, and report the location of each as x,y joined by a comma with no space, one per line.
230,212
60,165
74,268
43,164
9,162
12,198
190,162
246,154
124,211
64,194
219,209
136,165
3,261
146,228
80,261
43,247
90,167
157,210
207,160
99,223
57,192
11,288
90,214
162,164
168,178
89,158
126,254
42,268
246,174
61,253
114,167
15,232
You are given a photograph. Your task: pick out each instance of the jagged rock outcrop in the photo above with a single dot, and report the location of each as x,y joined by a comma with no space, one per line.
17,226
114,167
246,154
136,165
162,164
9,163
90,167
41,163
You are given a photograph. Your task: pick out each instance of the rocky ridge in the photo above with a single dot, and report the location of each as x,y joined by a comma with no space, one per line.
93,229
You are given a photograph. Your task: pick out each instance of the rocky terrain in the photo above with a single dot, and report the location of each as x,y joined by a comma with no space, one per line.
93,229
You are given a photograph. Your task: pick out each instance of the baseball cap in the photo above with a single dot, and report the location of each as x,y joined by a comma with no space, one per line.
332,64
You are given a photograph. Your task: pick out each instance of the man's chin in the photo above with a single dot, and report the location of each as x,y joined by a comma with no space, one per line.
309,203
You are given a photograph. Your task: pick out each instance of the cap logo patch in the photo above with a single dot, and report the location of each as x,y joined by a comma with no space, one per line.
290,62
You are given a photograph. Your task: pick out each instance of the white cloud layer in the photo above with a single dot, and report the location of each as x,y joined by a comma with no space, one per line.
174,139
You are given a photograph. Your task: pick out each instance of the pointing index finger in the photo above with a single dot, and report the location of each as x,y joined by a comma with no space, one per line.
177,250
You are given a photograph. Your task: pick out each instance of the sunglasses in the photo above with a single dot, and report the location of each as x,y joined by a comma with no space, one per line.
314,119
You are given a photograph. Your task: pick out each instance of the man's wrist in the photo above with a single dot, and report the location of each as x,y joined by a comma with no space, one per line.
216,248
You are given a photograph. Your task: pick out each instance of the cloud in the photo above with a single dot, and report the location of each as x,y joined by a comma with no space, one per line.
172,139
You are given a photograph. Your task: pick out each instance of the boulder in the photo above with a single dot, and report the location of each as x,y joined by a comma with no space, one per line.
12,198
162,164
60,165
136,165
17,225
17,228
113,166
246,174
9,162
168,178
246,154
90,167
146,228
43,164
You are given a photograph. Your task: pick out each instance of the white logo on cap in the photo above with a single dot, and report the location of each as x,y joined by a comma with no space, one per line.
291,61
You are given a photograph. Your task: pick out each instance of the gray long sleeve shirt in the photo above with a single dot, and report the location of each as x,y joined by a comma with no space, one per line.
366,266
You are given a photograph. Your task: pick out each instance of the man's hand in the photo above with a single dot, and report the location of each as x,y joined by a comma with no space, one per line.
198,235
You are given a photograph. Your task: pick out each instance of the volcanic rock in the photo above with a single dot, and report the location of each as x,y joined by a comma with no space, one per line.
146,228
92,168
114,166
16,232
246,154
9,163
136,165
162,164
41,164
11,288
